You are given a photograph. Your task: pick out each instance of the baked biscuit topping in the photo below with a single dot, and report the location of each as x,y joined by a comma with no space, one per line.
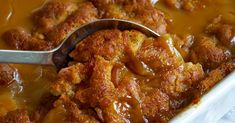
131,83
57,19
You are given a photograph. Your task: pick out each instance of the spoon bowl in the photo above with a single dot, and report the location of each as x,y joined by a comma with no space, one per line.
59,57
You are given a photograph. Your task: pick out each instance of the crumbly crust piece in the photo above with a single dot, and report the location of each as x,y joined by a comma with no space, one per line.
86,13
51,14
209,53
214,77
224,31
21,40
8,74
140,11
53,23
17,116
108,44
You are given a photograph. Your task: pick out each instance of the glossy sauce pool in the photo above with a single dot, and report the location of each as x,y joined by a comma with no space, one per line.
35,78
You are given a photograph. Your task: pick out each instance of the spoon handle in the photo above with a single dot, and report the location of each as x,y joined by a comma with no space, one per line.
26,57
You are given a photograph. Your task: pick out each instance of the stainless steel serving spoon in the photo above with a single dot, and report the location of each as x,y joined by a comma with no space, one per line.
59,56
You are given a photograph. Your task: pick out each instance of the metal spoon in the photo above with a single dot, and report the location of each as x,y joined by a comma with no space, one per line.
59,56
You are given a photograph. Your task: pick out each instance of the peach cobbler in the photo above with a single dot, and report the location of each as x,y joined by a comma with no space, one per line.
115,76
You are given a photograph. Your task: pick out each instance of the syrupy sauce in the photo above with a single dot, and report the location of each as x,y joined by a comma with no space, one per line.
6,12
36,78
185,22
16,13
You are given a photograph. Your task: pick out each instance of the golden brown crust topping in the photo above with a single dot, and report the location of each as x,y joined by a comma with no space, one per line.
56,19
8,74
108,44
101,91
52,24
214,77
122,84
74,114
22,40
140,11
182,79
86,13
208,53
68,77
155,104
223,30
17,116
51,14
